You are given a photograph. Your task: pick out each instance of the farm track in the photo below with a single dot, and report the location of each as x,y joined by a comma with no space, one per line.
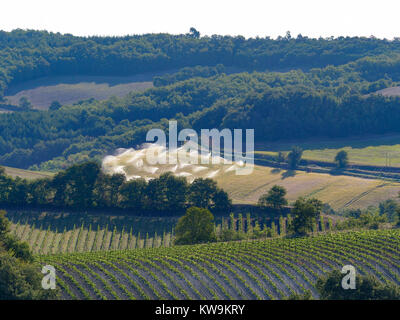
262,269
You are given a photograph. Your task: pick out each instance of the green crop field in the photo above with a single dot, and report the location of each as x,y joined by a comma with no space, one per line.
266,269
370,150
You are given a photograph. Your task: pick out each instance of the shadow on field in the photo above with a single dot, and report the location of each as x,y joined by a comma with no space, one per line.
288,174
276,170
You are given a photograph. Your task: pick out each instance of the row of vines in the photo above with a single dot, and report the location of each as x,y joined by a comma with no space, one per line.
258,269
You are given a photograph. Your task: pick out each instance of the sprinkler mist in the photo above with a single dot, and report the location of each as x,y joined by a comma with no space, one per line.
152,160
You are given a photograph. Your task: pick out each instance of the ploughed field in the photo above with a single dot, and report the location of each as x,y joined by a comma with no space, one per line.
263,269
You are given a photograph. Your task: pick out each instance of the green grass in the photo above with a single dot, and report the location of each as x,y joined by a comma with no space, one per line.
372,150
263,269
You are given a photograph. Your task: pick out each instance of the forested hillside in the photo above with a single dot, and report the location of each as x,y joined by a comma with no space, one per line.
30,54
324,91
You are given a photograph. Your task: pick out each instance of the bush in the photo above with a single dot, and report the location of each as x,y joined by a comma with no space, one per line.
367,288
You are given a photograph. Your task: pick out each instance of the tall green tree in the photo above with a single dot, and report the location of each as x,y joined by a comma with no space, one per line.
106,190
294,157
342,159
304,215
166,193
205,193
196,226
275,198
74,187
133,194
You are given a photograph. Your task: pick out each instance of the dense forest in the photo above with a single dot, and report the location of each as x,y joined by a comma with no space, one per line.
27,54
85,186
288,88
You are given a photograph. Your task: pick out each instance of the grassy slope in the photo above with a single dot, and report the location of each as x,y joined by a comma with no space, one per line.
27,174
338,191
371,150
265,269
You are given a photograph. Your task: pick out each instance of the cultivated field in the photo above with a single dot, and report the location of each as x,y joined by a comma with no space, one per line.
50,233
68,232
70,89
373,150
268,269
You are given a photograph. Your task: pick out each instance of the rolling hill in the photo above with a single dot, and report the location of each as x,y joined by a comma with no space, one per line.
338,191
265,269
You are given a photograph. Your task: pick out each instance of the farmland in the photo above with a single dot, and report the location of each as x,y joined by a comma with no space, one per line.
378,150
338,191
265,269
27,174
70,89
46,232
50,233
82,195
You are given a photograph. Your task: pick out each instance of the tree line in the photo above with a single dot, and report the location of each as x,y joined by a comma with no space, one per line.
85,186
28,54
